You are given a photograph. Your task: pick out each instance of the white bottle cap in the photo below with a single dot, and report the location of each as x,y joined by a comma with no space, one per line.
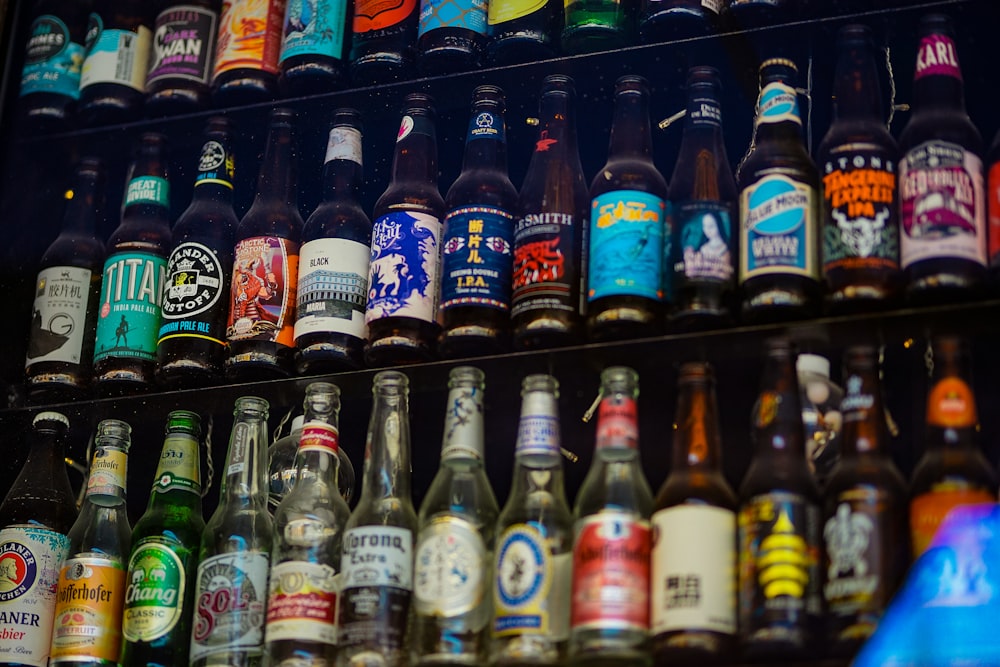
813,363
51,416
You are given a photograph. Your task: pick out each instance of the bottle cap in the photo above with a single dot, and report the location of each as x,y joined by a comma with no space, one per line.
813,363
50,416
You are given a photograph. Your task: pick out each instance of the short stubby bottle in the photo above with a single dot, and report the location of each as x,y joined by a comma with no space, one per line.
246,70
383,41
599,25
314,47
522,32
451,36
183,53
668,20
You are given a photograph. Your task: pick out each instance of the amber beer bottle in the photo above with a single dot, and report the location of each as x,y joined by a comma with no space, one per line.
246,65
401,312
313,58
941,188
743,14
180,66
521,32
384,40
693,583
993,210
266,265
451,36
858,161
952,470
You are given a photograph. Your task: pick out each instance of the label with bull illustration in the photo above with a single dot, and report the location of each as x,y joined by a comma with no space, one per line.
403,274
546,274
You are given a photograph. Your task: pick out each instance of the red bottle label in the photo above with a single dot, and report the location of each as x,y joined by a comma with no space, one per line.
936,56
928,510
617,423
951,404
993,201
372,15
265,272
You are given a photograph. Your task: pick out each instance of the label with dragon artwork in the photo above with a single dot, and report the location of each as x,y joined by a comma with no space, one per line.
546,274
403,275
265,272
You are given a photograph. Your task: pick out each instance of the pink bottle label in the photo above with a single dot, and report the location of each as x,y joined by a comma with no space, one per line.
936,56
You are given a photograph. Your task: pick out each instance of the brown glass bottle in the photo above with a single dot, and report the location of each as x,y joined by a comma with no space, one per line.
743,14
866,546
383,41
246,71
451,37
522,33
693,603
314,47
993,211
180,66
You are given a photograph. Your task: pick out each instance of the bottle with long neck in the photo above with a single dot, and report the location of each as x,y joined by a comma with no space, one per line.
235,554
693,605
454,553
374,606
159,593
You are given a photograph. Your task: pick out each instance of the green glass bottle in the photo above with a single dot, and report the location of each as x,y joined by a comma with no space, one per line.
597,25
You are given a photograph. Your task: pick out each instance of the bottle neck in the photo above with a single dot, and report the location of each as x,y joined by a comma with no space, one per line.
617,424
697,443
558,135
416,151
82,210
387,452
778,115
276,181
342,168
630,131
937,79
147,196
777,419
216,172
316,460
106,482
463,424
864,430
951,406
178,474
857,94
246,464
486,141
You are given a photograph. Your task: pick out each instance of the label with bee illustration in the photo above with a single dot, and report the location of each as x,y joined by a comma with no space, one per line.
626,245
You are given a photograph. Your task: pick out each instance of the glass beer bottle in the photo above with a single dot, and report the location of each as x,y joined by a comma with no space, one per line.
450,37
383,41
246,70
748,14
522,32
281,471
669,20
600,25
183,53
313,55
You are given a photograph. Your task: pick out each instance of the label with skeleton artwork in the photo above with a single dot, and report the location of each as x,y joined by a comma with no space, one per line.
262,306
403,274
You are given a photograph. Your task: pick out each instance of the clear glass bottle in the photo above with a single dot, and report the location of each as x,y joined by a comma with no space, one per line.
281,471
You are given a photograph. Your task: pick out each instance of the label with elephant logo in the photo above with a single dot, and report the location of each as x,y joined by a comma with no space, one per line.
154,592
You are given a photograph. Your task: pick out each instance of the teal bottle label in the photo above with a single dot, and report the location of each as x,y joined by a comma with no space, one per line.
467,14
154,591
52,61
314,27
778,230
477,259
626,245
131,295
148,190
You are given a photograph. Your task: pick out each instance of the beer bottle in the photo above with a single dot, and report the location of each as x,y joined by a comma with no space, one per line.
246,70
281,471
597,26
550,232
383,41
521,32
88,627
450,37
401,312
64,314
191,348
235,553
266,265
478,229
308,534
374,607
701,266
183,53
779,207
746,14
952,470
159,587
332,289
113,78
454,553
779,523
534,543
134,273
858,160
693,603
627,225
865,533
37,513
313,54
941,191
609,608
993,210
670,20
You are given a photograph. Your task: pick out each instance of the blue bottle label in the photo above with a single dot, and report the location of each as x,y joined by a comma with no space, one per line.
485,125
703,242
468,14
52,61
403,276
778,228
778,103
477,262
626,245
314,27
131,298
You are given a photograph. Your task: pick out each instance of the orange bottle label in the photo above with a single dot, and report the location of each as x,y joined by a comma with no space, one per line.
928,510
88,618
265,275
993,211
372,15
951,404
250,35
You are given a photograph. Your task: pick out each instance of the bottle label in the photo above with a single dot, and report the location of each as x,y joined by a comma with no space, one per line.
714,6
129,317
302,603
178,469
617,423
450,572
936,56
778,103
403,275
486,125
333,288
183,44
504,11
779,545
262,298
545,270
319,436
88,612
705,112
476,262
941,194
532,585
314,27
537,434
154,593
30,560
148,190
993,208
611,573
463,424
216,166
372,15
778,229
249,35
59,315
694,569
195,286
107,473
52,61
229,604
704,232
928,510
860,230
116,56
343,143
951,404
626,245
377,567
461,14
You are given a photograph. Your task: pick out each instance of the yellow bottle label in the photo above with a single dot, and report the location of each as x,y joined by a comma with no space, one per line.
88,619
501,11
107,473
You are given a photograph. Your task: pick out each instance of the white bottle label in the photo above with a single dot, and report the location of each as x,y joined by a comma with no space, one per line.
343,143
378,556
450,568
59,314
532,585
405,258
229,604
118,56
333,288
302,603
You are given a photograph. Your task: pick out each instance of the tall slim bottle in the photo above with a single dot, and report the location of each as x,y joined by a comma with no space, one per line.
162,567
313,49
374,609
451,37
477,254
60,354
235,553
91,591
183,53
383,41
401,312
522,32
454,552
266,265
600,25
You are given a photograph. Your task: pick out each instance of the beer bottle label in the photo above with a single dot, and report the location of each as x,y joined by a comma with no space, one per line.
148,190
154,591
343,143
116,56
183,44
107,473
704,112
194,295
779,546
403,274
714,6
993,208
129,317
617,423
302,603
942,197
951,404
477,256
374,15
546,275
860,231
463,424
333,288
30,559
262,296
626,245
377,567
52,60
179,466
694,570
504,11
216,166
532,585
778,228
59,315
262,49
229,604
88,614
450,572
778,103
319,436
928,510
936,57
611,573
314,28
704,232
461,14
